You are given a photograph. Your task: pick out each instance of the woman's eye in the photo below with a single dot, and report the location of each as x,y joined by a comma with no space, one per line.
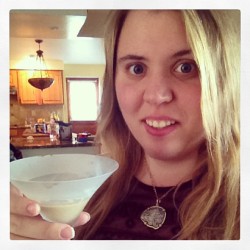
136,69
186,68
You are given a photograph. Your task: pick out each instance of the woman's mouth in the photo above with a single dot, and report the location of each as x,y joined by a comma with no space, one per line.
159,124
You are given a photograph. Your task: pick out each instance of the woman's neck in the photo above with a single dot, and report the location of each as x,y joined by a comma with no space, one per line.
167,173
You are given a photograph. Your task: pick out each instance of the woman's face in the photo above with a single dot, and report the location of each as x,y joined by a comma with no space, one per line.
157,85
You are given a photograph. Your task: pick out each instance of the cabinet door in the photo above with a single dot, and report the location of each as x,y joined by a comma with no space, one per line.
27,93
13,78
54,94
16,132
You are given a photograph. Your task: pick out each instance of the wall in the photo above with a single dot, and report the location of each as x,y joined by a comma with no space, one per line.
19,113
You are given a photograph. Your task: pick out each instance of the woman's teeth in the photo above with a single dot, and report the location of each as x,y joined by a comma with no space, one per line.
159,124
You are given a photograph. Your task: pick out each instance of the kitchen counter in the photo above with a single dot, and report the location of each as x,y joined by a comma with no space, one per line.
43,146
31,143
19,126
44,142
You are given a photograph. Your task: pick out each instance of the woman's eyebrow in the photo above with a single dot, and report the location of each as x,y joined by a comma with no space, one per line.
130,57
182,53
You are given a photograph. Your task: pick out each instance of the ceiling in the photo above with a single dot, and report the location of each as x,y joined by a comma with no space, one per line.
72,36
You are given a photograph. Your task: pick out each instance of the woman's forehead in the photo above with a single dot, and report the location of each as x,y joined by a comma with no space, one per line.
140,22
155,30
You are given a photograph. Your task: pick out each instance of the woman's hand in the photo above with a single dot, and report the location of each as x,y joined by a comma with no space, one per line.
27,224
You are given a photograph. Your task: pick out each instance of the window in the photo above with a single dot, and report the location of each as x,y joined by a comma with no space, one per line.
83,102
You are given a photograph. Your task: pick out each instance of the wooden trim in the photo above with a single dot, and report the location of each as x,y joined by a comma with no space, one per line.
81,126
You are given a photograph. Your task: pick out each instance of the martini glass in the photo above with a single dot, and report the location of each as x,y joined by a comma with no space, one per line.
61,184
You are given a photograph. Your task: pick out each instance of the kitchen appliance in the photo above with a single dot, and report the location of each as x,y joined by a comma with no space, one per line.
65,131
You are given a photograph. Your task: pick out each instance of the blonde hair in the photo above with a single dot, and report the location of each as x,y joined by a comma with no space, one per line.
214,39
211,210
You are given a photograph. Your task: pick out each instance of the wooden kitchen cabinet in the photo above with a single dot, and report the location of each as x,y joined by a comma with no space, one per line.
13,78
27,93
54,94
30,95
16,132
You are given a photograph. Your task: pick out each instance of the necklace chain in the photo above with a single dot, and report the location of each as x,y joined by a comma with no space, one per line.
158,199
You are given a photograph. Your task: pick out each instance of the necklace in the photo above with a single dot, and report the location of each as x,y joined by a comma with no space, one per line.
155,216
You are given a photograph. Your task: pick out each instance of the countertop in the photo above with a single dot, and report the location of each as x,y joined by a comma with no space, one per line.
19,126
44,142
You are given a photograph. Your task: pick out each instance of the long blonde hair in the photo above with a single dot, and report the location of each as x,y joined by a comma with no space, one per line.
211,210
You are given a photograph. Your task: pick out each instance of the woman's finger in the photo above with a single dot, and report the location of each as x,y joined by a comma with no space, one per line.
37,228
21,205
26,223
18,237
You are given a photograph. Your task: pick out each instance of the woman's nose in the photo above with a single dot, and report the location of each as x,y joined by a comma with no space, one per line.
158,91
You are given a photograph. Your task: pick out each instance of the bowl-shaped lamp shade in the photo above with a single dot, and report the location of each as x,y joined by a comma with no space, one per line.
41,83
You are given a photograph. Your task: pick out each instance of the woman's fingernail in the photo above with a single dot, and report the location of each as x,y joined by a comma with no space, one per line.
85,217
33,209
67,233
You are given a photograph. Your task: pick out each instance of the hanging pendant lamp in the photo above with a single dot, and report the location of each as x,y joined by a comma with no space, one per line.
40,79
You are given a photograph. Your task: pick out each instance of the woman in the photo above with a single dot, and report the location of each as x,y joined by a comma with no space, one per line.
170,78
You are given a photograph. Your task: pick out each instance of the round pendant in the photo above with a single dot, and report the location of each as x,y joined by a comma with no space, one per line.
154,217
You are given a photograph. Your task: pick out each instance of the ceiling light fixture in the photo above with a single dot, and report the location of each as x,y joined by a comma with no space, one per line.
40,78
